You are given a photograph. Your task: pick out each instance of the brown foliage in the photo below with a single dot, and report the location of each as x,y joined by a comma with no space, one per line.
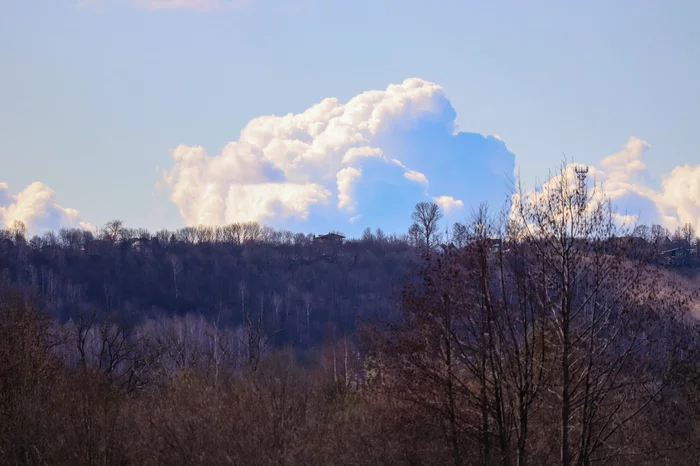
542,338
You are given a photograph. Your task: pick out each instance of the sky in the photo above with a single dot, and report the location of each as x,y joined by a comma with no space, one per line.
322,115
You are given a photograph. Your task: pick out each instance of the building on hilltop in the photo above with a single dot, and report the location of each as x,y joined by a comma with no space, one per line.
328,246
330,238
679,253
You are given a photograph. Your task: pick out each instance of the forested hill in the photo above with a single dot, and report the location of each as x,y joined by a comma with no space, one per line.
156,348
301,289
293,286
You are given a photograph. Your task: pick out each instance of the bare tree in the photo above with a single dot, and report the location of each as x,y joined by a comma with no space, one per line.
163,237
18,229
187,235
606,311
459,235
427,216
643,232
688,233
659,234
252,231
113,230
177,270
548,317
204,234
277,301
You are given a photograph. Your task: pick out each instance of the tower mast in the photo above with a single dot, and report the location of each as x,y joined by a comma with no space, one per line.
581,191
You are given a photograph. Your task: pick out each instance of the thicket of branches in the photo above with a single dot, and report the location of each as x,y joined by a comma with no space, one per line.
546,335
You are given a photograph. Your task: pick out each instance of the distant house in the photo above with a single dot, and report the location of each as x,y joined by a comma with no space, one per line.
678,253
330,239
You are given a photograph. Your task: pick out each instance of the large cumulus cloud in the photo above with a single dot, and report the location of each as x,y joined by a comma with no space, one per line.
366,161
37,207
623,178
679,200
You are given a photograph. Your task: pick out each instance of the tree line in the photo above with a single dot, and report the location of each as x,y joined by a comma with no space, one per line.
297,289
547,335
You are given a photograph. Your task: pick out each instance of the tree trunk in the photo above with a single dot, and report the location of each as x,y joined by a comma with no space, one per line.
565,394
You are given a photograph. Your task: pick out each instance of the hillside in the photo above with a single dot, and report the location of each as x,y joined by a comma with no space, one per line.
326,350
300,287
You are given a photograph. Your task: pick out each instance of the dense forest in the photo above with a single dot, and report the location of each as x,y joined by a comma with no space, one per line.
550,335
296,286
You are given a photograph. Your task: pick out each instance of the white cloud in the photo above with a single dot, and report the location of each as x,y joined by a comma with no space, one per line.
449,203
354,218
418,177
37,207
355,153
236,186
627,161
286,164
268,199
409,174
675,204
679,200
283,166
346,178
199,5
195,5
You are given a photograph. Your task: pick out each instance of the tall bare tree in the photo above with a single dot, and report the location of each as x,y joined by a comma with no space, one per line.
113,230
547,317
427,216
606,313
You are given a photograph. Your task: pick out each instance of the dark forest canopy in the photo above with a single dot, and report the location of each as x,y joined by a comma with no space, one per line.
298,284
549,336
302,288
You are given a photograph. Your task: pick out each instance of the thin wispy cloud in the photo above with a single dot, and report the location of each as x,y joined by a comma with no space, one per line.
418,177
156,5
198,5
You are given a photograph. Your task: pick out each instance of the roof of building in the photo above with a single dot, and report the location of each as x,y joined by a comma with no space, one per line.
331,235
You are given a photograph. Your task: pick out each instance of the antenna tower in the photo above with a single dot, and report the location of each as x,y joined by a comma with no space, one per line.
581,191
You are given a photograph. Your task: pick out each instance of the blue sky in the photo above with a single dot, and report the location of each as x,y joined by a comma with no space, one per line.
93,98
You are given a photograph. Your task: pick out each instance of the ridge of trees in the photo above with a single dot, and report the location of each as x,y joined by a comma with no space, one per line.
547,335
